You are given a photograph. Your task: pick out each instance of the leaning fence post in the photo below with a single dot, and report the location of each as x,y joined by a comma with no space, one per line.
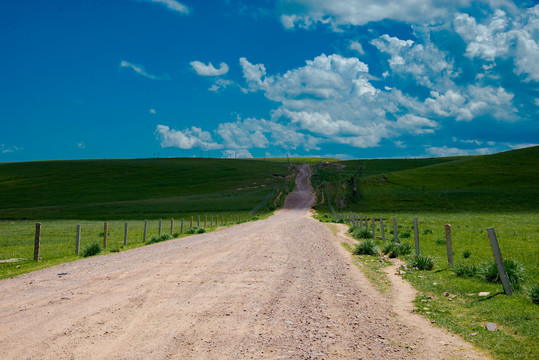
499,261
125,234
382,229
77,245
160,226
395,231
448,244
37,240
416,236
373,228
172,226
105,231
145,231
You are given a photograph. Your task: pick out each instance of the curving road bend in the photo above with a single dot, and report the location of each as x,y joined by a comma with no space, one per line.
281,288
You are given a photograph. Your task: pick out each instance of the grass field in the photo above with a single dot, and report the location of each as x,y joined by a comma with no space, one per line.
62,194
134,189
501,182
471,194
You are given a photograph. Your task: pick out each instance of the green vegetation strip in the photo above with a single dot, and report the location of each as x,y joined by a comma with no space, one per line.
465,304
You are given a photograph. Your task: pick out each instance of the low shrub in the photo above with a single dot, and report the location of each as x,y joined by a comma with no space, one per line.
114,249
367,247
362,234
440,241
427,232
91,249
155,239
421,262
405,235
534,294
462,270
515,272
393,250
466,254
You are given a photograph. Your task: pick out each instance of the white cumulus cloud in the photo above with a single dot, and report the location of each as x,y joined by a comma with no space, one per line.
209,70
185,139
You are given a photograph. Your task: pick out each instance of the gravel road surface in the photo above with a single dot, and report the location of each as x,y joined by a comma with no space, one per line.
281,288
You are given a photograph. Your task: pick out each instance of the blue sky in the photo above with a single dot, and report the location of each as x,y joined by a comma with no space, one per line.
230,78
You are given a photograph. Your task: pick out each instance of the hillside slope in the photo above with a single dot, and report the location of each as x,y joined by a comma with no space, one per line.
90,189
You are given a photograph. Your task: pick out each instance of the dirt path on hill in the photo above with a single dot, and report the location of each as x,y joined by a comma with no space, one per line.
281,288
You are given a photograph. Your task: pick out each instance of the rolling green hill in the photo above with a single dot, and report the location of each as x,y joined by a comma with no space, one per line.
142,188
507,181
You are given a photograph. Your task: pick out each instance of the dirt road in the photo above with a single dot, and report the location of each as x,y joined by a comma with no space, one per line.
281,288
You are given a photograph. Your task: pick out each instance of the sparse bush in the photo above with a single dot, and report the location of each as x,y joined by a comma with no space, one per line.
155,239
515,272
201,230
91,249
393,250
405,235
465,270
175,235
440,241
466,254
421,262
114,249
362,234
534,294
367,247
427,232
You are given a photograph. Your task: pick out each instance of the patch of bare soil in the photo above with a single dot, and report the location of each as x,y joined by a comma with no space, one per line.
281,288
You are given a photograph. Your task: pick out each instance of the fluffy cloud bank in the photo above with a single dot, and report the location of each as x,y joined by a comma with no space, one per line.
337,13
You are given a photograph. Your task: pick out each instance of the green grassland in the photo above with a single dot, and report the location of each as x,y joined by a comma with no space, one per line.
134,189
472,194
62,194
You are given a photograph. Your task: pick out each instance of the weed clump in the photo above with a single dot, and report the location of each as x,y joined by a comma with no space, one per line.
362,234
367,247
196,230
515,272
466,254
91,249
440,241
155,239
405,235
395,250
427,231
421,262
462,270
534,294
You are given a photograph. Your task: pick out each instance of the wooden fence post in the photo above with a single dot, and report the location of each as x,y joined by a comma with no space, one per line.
416,236
160,226
211,223
181,227
191,222
37,241
499,261
205,220
125,234
77,244
105,231
172,226
395,231
198,221
382,229
145,231
361,221
373,228
448,244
